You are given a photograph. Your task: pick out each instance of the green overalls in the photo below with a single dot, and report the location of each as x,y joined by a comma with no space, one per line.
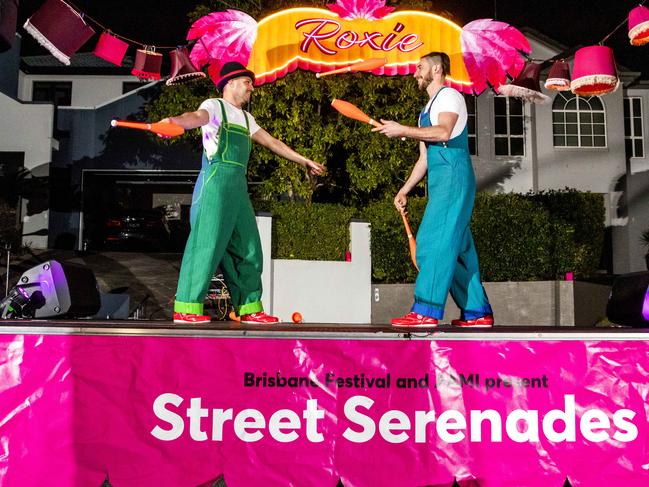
446,254
223,228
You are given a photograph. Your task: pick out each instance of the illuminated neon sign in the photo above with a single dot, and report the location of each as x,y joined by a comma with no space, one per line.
483,53
319,40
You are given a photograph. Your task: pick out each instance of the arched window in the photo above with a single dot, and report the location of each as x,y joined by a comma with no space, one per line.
578,121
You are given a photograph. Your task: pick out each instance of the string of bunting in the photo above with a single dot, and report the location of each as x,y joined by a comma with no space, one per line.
62,29
594,68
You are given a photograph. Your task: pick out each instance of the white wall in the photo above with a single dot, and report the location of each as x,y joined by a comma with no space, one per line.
545,167
87,90
29,128
322,291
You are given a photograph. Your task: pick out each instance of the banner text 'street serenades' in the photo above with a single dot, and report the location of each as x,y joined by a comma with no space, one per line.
393,426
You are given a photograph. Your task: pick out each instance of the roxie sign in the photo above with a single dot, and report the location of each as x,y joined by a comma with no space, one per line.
318,40
330,29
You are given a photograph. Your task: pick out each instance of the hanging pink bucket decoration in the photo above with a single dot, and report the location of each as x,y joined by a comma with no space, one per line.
147,64
559,77
111,49
639,26
182,69
594,72
59,28
526,85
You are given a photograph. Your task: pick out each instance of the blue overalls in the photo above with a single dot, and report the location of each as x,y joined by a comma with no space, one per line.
446,254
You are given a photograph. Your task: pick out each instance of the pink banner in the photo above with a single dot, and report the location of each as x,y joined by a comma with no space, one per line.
156,411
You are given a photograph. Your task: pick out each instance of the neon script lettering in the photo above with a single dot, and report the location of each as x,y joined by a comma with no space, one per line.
324,29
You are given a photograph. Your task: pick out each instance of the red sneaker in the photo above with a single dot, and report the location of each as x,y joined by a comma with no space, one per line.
260,318
413,320
190,319
483,322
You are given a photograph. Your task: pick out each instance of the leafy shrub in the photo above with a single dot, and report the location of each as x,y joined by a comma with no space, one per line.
308,231
518,237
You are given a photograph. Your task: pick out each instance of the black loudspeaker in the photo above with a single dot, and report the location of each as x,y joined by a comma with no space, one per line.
53,289
628,303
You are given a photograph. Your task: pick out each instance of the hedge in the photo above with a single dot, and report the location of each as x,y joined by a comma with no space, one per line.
315,231
518,237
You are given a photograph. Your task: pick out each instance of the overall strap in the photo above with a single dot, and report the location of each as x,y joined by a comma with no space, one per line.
224,117
430,107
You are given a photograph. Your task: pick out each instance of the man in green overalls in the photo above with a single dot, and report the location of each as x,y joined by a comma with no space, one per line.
223,227
446,255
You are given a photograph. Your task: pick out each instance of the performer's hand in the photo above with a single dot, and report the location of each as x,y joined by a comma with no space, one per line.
315,168
400,202
165,120
391,129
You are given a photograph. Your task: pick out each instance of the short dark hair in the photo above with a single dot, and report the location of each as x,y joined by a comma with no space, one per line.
441,58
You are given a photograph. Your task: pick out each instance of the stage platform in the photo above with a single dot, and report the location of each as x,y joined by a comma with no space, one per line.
92,400
224,329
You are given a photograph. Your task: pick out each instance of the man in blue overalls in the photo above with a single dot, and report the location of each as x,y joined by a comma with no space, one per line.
446,255
223,227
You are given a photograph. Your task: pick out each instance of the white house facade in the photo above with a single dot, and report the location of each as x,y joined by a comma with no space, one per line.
596,144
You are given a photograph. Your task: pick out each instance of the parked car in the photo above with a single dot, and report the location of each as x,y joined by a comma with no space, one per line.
137,230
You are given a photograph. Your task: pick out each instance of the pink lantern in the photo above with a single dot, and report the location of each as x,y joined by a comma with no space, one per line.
111,48
639,26
594,72
59,29
182,69
147,64
559,77
526,86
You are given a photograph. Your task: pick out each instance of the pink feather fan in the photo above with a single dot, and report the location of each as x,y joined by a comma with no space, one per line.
492,50
222,37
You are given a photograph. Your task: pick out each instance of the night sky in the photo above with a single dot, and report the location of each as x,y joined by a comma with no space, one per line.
571,23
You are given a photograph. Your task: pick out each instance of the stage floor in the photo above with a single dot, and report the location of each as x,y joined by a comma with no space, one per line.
314,330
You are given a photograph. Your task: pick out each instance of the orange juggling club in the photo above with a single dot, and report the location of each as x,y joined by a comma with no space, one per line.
163,129
412,243
367,65
352,111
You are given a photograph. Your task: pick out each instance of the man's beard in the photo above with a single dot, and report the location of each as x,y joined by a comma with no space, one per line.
424,82
245,99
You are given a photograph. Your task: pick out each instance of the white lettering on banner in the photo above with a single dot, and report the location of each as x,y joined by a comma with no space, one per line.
241,425
277,424
394,421
567,417
622,419
530,420
394,426
176,421
447,422
312,414
367,423
496,422
219,417
422,419
195,413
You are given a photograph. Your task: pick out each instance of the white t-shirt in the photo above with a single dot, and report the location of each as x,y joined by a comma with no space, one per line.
448,100
211,129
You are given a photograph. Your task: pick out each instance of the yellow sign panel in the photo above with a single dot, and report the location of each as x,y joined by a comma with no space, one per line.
319,40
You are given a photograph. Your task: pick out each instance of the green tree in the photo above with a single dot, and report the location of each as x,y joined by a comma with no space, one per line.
362,166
